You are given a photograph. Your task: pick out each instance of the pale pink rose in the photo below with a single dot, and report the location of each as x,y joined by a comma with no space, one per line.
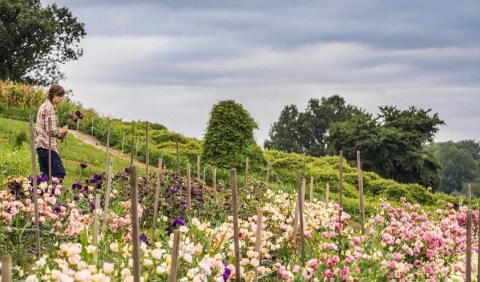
108,268
296,269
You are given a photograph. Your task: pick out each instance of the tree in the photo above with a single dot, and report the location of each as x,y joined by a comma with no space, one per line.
391,144
229,138
284,132
459,164
307,132
36,40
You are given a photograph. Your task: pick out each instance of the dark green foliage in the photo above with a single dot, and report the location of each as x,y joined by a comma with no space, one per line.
35,40
284,132
460,164
391,144
229,138
306,132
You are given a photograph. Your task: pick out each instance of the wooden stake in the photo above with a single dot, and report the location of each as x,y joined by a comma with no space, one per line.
123,143
34,182
96,224
360,192
268,172
49,150
136,147
132,151
258,237
7,268
340,184
92,127
108,145
174,263
300,194
327,193
157,197
468,267
469,189
302,227
198,167
147,156
233,178
107,197
189,188
135,231
311,189
246,172
478,254
214,184
178,157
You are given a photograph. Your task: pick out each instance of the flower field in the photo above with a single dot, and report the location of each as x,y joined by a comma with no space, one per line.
402,243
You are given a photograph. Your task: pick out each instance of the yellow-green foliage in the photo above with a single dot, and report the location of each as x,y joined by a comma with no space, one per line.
20,95
326,170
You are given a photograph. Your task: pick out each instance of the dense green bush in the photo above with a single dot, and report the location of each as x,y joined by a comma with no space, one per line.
229,138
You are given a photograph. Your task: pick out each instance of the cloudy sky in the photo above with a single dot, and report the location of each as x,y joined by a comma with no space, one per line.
171,61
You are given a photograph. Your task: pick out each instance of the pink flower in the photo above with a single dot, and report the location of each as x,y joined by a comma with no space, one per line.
327,274
296,269
397,256
345,273
313,263
307,273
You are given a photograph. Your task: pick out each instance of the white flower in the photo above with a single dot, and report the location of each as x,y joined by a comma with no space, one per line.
32,278
41,262
205,267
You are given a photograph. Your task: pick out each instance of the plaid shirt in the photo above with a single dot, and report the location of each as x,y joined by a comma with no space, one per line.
46,110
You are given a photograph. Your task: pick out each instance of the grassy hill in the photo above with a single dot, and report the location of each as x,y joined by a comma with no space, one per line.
15,161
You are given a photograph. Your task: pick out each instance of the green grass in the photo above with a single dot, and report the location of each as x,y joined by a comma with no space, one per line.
15,159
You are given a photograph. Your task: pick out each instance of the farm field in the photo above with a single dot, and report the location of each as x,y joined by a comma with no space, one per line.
403,240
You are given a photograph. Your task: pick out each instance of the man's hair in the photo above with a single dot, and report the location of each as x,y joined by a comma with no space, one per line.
55,90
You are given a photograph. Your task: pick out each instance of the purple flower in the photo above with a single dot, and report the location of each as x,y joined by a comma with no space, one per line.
178,222
226,273
79,114
70,116
76,186
143,238
76,198
75,120
175,190
57,208
92,206
83,165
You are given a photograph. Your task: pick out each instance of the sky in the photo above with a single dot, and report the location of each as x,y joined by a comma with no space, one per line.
170,61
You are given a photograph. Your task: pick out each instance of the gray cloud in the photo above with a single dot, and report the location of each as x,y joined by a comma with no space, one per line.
170,61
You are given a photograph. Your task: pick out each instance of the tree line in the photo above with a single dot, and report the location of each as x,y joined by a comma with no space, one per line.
396,144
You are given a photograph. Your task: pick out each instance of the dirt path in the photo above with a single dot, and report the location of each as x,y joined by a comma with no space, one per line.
91,140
